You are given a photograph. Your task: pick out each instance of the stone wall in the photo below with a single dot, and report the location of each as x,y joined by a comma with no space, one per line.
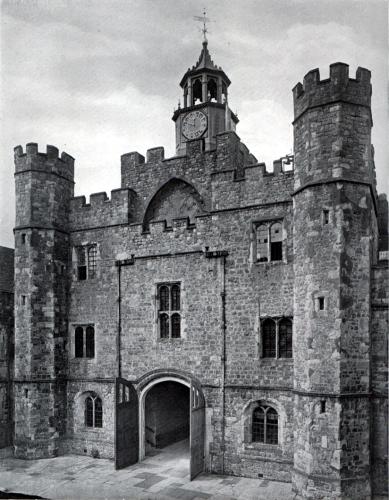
6,345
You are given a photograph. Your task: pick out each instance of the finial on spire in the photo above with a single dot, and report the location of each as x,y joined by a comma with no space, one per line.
203,19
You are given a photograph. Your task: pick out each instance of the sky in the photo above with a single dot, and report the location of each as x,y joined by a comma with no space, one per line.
100,78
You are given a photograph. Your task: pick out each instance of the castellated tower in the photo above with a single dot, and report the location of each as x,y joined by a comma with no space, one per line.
44,186
334,241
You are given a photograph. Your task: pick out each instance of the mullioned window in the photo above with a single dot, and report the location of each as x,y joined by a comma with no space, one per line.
169,310
277,338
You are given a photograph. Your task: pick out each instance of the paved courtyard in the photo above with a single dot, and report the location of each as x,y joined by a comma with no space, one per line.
165,475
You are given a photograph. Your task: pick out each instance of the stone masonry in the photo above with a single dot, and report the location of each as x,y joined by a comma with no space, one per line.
196,219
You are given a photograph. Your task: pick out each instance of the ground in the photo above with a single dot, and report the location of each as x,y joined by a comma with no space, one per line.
164,475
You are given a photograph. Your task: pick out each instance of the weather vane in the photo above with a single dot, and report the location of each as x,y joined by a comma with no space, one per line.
203,19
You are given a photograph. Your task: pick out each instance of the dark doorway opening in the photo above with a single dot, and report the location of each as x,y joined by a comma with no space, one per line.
167,416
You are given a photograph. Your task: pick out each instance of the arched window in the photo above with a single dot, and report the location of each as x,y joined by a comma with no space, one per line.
93,411
197,91
212,89
90,342
92,254
84,342
164,326
163,298
265,425
169,316
98,413
285,338
176,326
269,339
89,411
86,262
175,298
224,92
262,243
79,342
268,237
276,241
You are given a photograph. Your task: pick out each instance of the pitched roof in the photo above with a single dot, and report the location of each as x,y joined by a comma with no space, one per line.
204,63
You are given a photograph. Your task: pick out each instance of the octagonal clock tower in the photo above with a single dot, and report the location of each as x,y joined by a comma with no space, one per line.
205,112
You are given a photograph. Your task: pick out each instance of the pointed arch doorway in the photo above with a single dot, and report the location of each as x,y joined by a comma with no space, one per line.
137,410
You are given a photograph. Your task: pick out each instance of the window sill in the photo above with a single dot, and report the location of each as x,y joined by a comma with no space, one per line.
163,341
272,360
256,446
270,263
84,360
88,280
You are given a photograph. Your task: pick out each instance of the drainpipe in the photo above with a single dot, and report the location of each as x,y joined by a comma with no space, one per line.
223,359
119,264
209,255
119,332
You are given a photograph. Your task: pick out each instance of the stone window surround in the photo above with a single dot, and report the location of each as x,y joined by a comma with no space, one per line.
170,312
79,413
277,320
72,346
248,443
268,221
315,303
86,247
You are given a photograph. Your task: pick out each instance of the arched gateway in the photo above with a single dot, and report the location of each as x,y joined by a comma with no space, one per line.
133,417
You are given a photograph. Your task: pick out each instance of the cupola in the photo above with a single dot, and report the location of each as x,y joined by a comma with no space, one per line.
205,112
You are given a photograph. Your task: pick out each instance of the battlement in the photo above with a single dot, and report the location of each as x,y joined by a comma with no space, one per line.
180,225
338,87
49,162
256,185
101,210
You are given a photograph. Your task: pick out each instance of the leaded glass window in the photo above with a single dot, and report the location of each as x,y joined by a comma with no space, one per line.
265,425
169,313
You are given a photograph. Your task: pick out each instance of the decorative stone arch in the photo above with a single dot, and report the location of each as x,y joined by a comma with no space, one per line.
175,198
248,410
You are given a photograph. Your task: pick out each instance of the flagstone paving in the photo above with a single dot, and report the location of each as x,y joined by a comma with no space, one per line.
164,475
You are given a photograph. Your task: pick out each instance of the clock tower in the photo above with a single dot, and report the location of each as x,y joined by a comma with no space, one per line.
205,113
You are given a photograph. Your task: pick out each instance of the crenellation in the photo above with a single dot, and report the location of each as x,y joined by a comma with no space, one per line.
103,211
48,162
315,92
156,154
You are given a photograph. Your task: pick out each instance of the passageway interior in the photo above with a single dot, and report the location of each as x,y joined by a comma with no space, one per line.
167,419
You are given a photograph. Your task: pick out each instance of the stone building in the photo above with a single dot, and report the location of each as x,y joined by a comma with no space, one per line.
209,298
6,345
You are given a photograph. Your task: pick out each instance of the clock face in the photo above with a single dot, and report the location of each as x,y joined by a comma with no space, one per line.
194,124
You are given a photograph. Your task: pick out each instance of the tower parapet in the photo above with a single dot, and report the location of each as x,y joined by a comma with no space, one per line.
332,120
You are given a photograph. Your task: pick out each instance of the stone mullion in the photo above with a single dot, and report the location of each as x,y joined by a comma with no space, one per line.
268,243
277,321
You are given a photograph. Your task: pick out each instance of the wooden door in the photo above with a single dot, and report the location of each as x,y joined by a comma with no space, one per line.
197,428
126,424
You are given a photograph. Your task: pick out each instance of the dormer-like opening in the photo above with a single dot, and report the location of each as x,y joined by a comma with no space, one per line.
224,92
212,90
197,92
